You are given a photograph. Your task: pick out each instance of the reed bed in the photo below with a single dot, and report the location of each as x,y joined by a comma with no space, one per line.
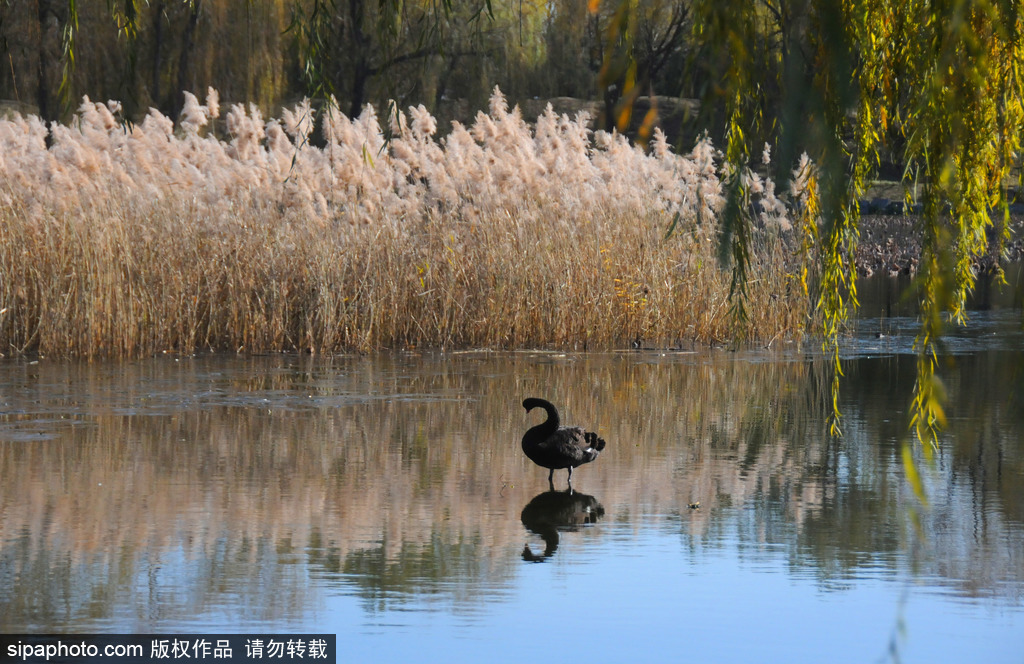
126,241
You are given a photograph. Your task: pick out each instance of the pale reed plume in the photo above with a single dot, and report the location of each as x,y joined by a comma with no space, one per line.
245,233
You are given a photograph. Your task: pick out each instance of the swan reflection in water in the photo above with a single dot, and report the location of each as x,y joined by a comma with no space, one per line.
552,512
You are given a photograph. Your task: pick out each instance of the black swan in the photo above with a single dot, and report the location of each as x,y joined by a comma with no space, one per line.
552,446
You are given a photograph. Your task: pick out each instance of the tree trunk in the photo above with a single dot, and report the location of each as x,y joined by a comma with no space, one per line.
360,77
187,44
49,37
158,42
361,70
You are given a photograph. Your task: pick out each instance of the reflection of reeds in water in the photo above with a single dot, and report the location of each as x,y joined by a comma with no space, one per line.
398,475
128,241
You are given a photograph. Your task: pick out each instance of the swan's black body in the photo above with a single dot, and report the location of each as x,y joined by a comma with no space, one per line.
552,446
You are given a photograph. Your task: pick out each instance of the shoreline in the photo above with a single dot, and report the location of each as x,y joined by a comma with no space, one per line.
891,244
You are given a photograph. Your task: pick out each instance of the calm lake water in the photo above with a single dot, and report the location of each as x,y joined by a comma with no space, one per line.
386,499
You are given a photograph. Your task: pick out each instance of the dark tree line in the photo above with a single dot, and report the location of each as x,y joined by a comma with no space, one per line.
441,53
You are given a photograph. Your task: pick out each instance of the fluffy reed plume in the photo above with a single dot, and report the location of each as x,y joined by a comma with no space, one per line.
127,240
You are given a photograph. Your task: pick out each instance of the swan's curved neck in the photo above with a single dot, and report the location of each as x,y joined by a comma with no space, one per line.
549,425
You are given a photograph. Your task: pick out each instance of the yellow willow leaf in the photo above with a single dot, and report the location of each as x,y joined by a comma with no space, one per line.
644,133
630,82
623,117
913,476
937,395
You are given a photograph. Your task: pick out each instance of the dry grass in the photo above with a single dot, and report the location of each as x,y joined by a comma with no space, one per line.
117,243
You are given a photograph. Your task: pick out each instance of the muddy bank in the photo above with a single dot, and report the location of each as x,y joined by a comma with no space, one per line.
891,244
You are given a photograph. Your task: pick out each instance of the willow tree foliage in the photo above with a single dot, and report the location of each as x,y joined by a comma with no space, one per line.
144,53
933,85
272,52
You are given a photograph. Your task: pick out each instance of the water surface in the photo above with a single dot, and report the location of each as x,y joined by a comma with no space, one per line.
386,499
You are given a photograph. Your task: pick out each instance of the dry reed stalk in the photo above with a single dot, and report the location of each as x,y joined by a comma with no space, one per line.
498,236
142,281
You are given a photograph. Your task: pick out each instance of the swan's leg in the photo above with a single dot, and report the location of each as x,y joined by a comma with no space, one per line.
570,477
551,476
